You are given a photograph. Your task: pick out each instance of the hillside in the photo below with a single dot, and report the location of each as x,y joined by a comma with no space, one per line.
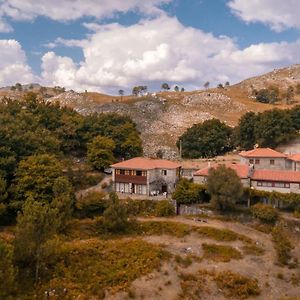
163,117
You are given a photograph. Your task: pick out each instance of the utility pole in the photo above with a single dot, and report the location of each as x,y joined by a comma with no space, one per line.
180,149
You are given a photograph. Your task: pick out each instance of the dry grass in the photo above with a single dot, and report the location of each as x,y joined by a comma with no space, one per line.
236,285
89,267
252,249
220,253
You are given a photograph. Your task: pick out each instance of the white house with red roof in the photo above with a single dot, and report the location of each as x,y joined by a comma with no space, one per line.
145,176
264,169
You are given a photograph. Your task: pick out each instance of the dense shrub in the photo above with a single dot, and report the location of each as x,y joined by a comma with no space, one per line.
270,95
188,192
265,213
164,208
93,203
220,253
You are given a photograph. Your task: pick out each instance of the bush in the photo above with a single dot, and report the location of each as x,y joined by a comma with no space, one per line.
92,204
236,285
140,207
265,213
116,217
164,208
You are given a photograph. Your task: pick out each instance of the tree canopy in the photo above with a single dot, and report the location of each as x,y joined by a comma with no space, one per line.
206,139
224,186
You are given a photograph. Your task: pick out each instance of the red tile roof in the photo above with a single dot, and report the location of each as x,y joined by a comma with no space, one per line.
141,163
262,152
294,157
241,170
272,175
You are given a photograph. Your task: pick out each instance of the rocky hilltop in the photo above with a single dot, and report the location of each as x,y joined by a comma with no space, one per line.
163,117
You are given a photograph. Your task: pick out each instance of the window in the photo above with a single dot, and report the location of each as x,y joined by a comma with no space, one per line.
259,183
251,161
118,172
287,185
122,172
164,172
144,173
272,162
127,172
257,161
138,173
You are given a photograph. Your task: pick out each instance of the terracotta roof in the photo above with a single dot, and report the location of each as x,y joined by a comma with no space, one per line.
262,152
141,163
272,175
241,170
294,157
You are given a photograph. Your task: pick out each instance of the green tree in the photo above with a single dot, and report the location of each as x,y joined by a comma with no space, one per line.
289,96
206,139
165,86
265,213
269,95
176,88
7,271
36,177
224,186
100,152
36,225
115,217
274,127
245,131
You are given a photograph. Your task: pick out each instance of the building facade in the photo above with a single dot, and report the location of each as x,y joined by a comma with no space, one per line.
264,169
144,176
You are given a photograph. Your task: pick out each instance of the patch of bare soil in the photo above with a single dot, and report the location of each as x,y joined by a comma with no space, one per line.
274,282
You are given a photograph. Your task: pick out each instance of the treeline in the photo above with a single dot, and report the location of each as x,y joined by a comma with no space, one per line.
36,140
266,129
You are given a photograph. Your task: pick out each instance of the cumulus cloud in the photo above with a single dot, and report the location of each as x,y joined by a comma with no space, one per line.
68,10
13,65
158,50
278,14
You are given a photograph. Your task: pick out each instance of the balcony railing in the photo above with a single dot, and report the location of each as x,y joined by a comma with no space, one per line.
131,179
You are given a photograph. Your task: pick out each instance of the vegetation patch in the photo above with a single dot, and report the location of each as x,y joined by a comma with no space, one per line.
235,285
168,228
89,267
265,213
220,253
193,286
282,245
221,235
253,249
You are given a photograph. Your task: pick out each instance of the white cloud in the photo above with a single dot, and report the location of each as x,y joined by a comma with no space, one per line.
278,14
68,10
13,65
158,50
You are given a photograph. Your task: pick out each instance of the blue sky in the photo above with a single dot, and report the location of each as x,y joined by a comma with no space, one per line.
105,45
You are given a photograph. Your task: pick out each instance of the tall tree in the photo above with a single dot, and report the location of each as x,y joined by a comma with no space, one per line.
206,84
176,88
7,271
224,187
100,152
121,93
36,225
36,176
245,131
116,215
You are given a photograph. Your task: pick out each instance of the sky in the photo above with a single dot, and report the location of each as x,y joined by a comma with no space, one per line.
108,45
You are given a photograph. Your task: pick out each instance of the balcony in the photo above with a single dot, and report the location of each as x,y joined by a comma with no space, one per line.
131,179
